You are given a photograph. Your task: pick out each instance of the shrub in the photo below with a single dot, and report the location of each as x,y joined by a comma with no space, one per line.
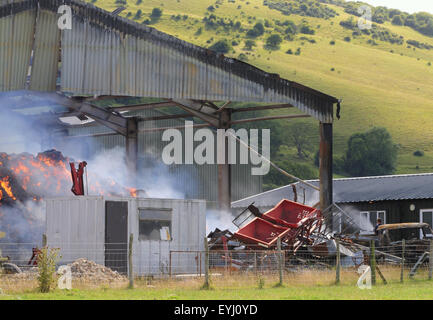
47,259
156,13
306,29
249,44
289,51
138,14
243,57
257,31
222,46
397,20
332,42
199,31
418,153
273,42
347,39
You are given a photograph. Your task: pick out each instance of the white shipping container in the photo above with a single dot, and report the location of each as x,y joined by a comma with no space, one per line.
167,233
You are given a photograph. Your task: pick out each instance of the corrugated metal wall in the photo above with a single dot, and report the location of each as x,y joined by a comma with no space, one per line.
76,225
150,143
46,52
16,39
111,63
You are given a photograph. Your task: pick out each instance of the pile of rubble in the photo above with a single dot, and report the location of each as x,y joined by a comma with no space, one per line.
83,269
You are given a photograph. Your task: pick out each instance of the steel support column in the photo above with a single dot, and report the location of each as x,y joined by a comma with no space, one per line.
325,167
224,170
132,146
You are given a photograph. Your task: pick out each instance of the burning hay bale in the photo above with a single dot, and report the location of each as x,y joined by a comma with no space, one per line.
26,179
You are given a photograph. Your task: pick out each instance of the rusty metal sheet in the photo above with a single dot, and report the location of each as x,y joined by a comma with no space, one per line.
110,55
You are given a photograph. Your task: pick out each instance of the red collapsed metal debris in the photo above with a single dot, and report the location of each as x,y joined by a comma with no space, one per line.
290,221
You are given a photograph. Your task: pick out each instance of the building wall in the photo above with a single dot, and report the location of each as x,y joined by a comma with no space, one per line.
76,225
396,211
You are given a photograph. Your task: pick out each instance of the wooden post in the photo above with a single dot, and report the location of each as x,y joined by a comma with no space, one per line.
255,263
206,265
403,247
338,263
169,263
372,263
280,261
325,168
131,269
381,275
44,240
430,261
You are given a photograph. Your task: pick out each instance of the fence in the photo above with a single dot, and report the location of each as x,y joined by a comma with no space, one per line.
313,265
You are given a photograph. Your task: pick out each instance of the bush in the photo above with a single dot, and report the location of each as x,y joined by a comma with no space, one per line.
273,42
332,43
222,46
257,31
243,57
47,259
156,13
347,39
397,20
306,29
249,44
289,51
418,153
138,14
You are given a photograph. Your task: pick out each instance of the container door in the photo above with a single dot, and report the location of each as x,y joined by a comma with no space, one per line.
116,236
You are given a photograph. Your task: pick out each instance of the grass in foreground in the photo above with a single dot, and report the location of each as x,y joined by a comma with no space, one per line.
306,286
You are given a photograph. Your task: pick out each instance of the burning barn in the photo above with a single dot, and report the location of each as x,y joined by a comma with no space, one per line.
98,229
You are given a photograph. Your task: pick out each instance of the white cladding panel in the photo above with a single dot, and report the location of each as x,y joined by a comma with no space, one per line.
76,225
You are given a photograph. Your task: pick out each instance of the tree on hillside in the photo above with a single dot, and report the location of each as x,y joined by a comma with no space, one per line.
257,31
273,42
298,136
249,44
371,153
222,46
397,20
156,13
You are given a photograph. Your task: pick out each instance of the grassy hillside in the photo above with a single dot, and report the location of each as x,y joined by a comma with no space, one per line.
381,84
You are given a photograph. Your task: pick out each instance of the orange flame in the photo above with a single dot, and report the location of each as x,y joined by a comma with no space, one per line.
4,183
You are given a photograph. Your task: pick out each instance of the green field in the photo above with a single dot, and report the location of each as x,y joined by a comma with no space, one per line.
386,85
406,291
299,285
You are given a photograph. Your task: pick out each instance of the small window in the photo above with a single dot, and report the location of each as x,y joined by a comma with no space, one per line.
368,219
155,224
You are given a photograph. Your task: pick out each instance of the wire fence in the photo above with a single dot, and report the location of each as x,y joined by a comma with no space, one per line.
111,264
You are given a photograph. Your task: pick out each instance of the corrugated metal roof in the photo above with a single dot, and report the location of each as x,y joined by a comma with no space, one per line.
106,54
350,190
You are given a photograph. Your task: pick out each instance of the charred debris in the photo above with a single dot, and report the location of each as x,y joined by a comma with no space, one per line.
307,235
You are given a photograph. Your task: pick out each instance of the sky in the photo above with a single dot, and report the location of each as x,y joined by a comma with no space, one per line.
410,6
